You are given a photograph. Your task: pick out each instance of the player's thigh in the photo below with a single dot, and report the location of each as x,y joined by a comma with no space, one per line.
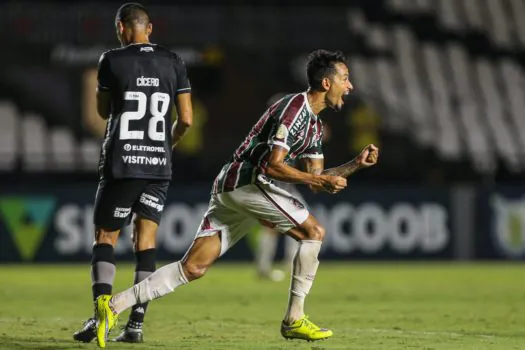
114,202
270,205
229,224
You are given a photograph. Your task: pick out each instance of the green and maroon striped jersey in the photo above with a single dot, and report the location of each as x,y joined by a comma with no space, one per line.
288,123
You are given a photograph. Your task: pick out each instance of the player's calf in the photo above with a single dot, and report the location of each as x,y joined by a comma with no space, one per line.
304,267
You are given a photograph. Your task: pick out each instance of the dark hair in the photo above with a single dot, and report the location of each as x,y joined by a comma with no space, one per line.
321,64
132,13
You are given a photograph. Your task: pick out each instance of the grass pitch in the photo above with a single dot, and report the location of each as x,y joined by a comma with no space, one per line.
369,306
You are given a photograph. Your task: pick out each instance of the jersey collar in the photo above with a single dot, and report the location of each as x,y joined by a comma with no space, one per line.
308,107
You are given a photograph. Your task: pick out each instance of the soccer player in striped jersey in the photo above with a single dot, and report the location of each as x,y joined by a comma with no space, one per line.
244,192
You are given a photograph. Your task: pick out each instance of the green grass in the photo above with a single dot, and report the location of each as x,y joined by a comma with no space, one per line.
369,306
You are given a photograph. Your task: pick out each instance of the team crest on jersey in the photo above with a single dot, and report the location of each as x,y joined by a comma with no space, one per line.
282,132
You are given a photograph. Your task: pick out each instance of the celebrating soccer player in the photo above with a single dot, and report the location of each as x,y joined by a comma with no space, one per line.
244,191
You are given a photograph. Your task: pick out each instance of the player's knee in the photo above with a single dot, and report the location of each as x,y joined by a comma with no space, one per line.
316,233
103,236
194,271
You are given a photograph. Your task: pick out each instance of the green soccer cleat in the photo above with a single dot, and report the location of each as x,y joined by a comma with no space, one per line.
106,319
304,329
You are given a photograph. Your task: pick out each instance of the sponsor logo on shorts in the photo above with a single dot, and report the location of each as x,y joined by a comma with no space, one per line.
121,212
151,201
143,160
140,148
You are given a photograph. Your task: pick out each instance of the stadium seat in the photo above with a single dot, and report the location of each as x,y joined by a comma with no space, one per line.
34,143
89,153
62,150
8,136
461,98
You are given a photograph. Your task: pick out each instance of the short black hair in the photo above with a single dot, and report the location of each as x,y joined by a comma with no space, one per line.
321,64
132,13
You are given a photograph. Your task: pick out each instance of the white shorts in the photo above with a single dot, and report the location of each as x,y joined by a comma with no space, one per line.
234,213
292,189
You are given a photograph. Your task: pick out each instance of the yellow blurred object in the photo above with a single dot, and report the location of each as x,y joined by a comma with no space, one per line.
193,142
364,125
90,118
213,56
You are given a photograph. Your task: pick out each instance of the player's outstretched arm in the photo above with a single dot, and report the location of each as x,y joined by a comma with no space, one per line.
365,159
277,169
185,117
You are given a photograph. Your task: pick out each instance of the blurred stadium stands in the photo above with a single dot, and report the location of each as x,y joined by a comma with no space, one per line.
439,87
445,79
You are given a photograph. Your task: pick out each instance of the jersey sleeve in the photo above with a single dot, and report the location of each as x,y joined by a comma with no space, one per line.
183,83
287,128
104,73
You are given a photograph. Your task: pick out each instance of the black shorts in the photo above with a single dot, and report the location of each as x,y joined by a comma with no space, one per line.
116,200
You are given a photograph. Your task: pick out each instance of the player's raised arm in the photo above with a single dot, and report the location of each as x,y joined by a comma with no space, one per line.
279,170
365,159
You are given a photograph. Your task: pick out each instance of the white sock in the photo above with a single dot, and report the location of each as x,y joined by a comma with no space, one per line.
290,248
304,268
266,252
158,284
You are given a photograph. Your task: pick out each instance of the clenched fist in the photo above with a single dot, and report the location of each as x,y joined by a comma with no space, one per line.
368,156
